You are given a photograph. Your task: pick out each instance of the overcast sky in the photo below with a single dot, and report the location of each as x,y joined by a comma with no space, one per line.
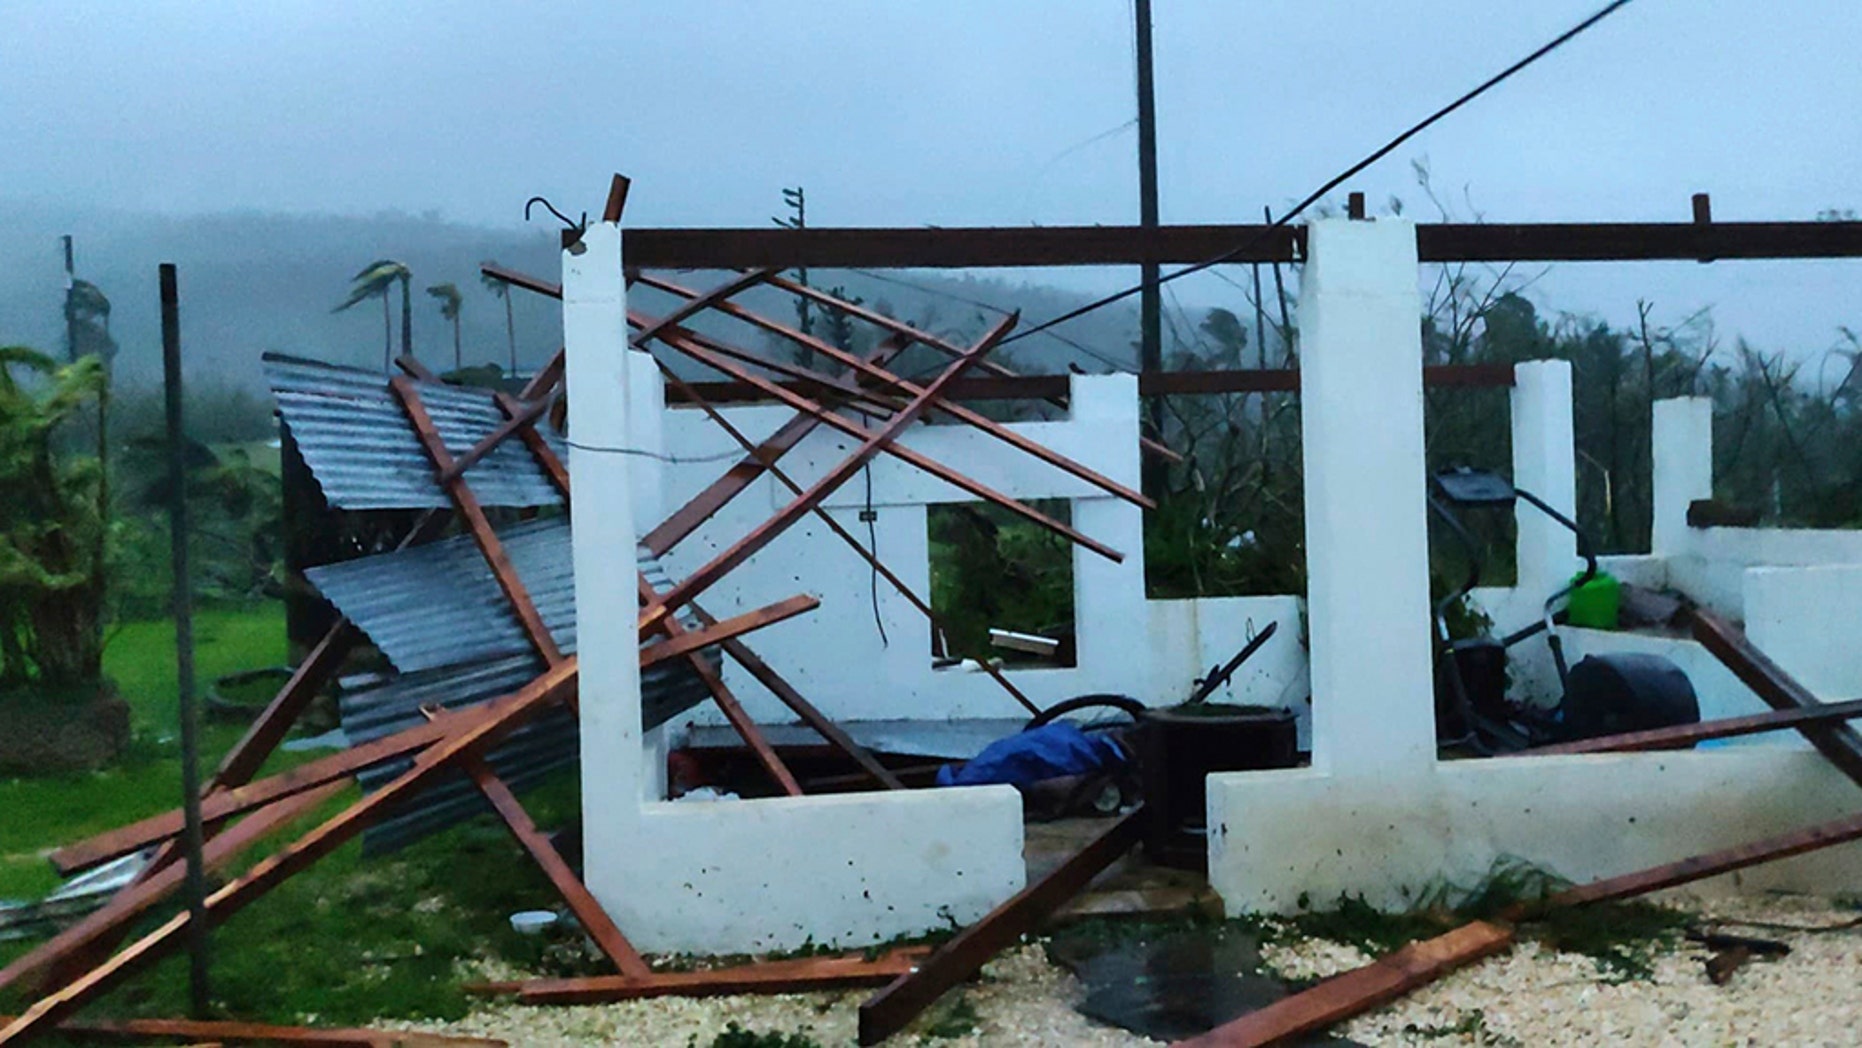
952,112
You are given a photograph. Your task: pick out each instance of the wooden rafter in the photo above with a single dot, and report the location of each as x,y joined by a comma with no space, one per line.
899,451
479,526
801,975
741,550
1839,743
1682,736
839,531
888,1011
909,388
594,920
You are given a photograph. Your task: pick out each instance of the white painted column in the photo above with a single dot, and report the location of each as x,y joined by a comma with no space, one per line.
1367,572
1682,446
1544,463
1106,594
594,324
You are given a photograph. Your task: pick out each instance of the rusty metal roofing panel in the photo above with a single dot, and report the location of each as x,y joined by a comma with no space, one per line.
357,442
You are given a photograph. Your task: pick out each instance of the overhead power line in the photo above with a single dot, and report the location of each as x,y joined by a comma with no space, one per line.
1334,182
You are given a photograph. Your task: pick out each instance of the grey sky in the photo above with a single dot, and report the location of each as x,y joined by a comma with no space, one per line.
954,112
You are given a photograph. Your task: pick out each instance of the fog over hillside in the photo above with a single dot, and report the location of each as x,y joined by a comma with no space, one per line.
252,283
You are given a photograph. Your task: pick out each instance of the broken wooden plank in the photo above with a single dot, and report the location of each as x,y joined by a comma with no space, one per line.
887,323
891,1009
526,414
840,532
262,1033
1359,990
1839,743
802,975
469,510
1712,864
699,304
1684,735
595,920
716,632
728,705
804,710
701,579
888,379
706,504
898,451
137,899
554,685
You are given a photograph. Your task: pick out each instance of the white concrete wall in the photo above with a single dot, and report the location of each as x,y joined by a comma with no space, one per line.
727,876
1377,815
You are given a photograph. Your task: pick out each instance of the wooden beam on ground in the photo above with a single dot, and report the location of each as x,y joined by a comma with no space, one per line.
469,510
899,451
139,1030
1712,864
846,537
595,920
1685,735
553,686
1359,990
706,504
126,906
1839,743
909,388
708,574
803,975
891,1009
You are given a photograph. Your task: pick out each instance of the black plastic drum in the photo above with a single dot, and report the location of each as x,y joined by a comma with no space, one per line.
1612,694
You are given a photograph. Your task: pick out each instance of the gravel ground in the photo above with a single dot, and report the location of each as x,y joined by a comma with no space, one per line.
1528,997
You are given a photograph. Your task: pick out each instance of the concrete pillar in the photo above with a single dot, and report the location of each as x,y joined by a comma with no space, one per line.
1682,446
1367,544
1544,463
594,324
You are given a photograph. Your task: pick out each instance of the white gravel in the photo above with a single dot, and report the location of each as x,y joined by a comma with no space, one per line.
1529,997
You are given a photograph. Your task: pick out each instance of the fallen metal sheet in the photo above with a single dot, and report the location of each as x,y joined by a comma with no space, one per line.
76,897
439,604
356,439
529,754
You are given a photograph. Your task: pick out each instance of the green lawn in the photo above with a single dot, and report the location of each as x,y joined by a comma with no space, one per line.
346,941
46,811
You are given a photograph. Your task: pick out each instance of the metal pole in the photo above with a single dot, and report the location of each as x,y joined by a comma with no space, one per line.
196,887
71,317
1150,304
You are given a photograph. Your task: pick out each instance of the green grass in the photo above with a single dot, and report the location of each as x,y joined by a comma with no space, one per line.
347,940
46,811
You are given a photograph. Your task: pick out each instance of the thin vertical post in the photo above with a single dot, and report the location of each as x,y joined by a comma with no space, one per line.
1150,303
196,884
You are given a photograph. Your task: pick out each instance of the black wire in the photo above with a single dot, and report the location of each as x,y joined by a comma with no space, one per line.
872,546
1333,183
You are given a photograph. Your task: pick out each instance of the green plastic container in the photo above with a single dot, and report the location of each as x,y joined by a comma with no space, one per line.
1595,604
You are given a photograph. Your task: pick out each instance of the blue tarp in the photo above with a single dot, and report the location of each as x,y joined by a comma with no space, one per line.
1047,752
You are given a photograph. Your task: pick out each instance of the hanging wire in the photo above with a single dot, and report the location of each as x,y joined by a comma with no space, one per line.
1337,180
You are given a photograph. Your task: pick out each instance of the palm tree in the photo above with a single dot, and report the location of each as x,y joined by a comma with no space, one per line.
503,291
450,301
374,281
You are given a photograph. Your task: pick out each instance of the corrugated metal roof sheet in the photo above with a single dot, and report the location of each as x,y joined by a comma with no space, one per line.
439,604
358,444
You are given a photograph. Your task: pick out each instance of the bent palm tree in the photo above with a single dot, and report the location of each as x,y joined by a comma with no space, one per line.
450,301
503,291
374,281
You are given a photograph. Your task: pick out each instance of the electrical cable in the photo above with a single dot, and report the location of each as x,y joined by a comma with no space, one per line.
671,460
1339,179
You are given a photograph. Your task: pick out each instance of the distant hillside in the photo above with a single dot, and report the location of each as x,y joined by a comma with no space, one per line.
257,282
